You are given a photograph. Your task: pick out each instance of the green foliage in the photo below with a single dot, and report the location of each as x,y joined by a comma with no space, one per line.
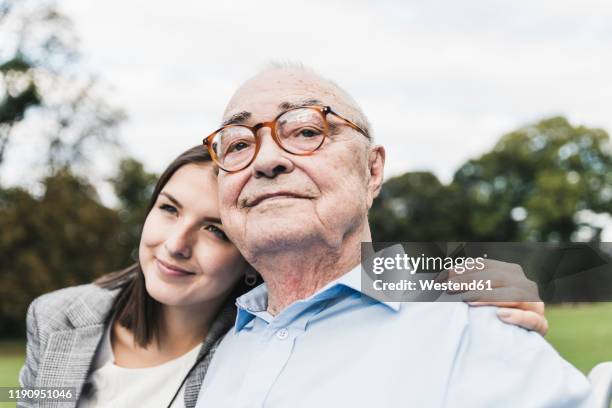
417,207
535,181
66,236
133,187
534,185
63,238
17,63
13,108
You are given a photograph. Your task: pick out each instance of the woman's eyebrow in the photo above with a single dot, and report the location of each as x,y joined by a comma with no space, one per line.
212,220
169,197
206,219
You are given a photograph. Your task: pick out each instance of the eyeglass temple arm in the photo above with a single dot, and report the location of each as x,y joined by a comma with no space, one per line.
350,124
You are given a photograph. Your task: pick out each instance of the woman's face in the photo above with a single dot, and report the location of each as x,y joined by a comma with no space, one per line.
184,254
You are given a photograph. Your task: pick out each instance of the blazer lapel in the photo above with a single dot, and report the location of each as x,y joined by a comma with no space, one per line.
221,324
69,353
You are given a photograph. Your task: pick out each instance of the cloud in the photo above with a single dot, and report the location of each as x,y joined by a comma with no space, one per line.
441,80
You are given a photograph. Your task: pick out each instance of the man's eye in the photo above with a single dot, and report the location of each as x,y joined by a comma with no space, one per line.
168,208
217,231
238,146
308,133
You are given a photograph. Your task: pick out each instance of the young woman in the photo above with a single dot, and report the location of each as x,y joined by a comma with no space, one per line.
139,336
144,336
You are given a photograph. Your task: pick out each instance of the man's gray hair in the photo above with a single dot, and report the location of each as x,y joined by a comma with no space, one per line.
355,114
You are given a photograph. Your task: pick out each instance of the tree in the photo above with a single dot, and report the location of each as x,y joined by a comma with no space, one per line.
417,207
42,83
133,187
536,181
540,183
64,237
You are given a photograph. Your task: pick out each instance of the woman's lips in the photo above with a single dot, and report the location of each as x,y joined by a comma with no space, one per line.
172,270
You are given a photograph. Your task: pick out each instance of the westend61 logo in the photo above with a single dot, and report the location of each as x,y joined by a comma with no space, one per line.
424,263
405,263
406,273
496,271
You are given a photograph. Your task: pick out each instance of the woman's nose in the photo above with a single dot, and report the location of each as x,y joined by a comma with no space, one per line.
179,244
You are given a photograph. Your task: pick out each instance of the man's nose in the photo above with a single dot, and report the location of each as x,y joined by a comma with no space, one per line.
179,244
271,159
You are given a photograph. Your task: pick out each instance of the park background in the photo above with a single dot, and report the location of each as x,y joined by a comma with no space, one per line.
495,116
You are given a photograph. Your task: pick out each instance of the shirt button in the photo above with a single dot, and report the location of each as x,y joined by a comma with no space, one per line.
282,334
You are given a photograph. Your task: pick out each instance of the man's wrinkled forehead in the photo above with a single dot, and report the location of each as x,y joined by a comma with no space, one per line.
264,96
243,116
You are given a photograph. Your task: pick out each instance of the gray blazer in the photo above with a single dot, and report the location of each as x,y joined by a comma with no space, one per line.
65,328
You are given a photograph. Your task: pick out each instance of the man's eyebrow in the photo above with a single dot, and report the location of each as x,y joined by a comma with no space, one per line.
292,105
240,117
237,118
171,198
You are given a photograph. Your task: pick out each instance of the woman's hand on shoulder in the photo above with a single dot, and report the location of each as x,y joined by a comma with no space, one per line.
510,290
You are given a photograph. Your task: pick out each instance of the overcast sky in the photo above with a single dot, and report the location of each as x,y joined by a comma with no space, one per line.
440,80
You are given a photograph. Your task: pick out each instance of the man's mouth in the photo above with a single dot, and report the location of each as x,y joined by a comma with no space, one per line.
272,196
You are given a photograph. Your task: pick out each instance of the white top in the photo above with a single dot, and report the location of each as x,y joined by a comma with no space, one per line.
119,387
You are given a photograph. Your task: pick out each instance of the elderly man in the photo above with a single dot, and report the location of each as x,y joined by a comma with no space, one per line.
299,173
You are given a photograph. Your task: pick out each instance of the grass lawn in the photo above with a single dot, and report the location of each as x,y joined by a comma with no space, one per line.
582,334
12,354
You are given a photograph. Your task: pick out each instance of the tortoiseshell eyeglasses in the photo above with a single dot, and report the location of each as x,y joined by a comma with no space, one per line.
300,131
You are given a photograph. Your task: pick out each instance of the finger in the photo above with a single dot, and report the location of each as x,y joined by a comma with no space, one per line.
500,279
442,276
524,318
510,271
457,271
502,294
493,263
537,307
486,279
500,274
513,305
494,286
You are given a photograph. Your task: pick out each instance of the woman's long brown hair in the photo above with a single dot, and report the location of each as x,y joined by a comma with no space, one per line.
133,307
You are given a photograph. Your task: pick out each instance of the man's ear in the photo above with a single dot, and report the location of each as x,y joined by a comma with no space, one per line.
376,168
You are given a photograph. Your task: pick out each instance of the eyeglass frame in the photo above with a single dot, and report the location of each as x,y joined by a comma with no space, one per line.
323,110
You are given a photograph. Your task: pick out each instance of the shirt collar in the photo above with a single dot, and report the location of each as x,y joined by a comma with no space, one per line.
255,302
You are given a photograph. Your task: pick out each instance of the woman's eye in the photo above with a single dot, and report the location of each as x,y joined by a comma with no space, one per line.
217,231
168,208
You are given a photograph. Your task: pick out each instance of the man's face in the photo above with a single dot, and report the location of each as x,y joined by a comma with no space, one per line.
282,200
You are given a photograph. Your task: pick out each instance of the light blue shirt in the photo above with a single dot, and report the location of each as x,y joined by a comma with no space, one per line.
340,348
